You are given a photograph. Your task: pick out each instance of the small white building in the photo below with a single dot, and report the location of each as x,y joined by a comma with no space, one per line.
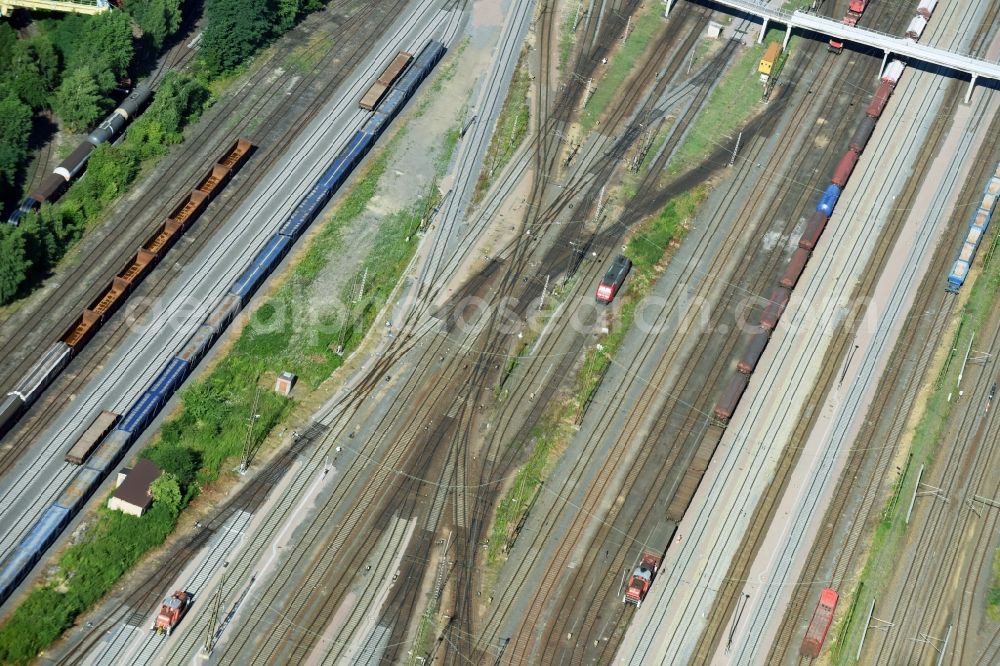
132,495
286,381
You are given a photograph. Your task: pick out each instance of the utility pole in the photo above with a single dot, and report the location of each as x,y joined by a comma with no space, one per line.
248,444
545,289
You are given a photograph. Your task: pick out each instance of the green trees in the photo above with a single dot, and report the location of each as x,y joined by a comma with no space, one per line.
15,127
167,492
78,101
158,19
235,30
13,263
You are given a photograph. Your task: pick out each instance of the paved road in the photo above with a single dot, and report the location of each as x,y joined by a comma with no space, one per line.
666,630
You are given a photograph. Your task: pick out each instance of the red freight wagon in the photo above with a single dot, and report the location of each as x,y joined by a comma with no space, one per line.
820,624
796,265
844,168
731,397
881,98
817,223
776,307
753,352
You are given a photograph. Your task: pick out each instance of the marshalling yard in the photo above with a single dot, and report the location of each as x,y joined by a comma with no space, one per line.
765,436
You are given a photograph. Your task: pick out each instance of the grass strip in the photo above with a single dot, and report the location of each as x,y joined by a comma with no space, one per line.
889,539
208,432
512,127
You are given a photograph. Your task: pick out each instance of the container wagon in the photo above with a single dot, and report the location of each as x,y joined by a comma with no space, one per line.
819,624
89,440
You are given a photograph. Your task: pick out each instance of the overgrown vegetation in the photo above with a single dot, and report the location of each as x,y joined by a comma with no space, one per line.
29,252
736,98
647,22
207,435
889,540
512,127
993,596
647,246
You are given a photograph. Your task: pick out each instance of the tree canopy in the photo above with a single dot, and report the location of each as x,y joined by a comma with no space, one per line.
15,128
156,18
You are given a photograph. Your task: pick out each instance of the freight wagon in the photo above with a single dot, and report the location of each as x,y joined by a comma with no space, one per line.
142,262
110,451
767,63
819,625
89,440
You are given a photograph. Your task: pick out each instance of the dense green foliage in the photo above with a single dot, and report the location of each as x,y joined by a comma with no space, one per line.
44,236
15,126
158,19
236,29
86,571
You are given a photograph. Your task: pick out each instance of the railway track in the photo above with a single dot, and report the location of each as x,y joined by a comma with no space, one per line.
894,400
211,136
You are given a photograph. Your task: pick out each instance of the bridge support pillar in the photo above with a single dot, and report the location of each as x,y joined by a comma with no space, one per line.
885,56
788,35
763,31
669,4
972,84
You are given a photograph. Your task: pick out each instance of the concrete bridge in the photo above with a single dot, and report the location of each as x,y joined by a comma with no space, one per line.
889,44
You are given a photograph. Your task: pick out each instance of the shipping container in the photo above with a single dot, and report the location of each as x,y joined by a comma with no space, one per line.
92,436
863,134
188,210
845,167
819,625
829,200
880,99
796,265
813,232
981,220
775,308
753,351
138,267
726,406
236,155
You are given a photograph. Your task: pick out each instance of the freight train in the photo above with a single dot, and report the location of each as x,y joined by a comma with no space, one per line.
778,300
109,129
57,356
142,412
977,230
